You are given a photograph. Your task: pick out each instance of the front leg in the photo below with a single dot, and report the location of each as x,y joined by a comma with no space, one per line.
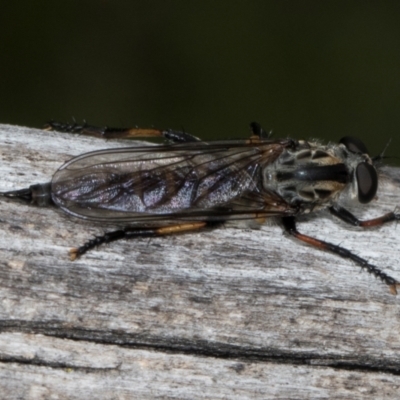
351,219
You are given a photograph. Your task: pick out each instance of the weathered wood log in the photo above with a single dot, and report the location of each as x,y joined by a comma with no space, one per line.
230,313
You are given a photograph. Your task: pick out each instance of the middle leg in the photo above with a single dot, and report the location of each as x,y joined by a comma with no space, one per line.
289,224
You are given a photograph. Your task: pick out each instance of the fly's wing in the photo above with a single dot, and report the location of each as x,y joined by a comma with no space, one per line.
154,183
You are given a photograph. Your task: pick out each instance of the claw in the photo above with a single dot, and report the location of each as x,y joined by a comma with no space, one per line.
393,288
73,254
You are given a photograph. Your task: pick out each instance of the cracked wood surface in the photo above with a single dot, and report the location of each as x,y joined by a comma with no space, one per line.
227,314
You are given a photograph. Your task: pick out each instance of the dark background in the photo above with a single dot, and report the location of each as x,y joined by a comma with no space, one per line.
307,69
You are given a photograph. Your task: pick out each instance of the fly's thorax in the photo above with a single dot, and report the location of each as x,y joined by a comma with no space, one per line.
313,176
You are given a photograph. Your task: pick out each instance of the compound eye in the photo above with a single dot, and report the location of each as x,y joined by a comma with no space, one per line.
367,182
354,145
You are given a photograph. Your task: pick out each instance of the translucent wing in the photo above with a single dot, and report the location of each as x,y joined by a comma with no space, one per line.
187,181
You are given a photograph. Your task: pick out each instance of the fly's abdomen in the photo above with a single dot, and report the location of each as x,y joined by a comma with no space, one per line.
139,191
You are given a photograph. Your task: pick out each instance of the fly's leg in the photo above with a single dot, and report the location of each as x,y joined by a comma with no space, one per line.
121,133
257,130
289,224
134,233
351,219
179,136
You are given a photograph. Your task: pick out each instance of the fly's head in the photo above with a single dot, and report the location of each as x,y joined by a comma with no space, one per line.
364,177
313,176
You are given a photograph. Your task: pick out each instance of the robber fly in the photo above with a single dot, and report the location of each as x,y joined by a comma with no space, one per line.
191,185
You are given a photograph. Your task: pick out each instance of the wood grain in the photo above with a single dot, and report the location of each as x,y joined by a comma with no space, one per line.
227,314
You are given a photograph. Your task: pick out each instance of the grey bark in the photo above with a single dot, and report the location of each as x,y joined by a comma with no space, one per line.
227,314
